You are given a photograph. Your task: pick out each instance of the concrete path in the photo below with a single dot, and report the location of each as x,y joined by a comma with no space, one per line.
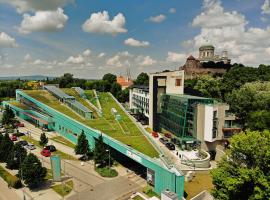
7,193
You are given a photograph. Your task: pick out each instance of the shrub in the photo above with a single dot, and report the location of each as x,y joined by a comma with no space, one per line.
11,180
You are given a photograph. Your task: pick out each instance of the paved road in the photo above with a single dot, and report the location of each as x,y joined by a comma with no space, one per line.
87,184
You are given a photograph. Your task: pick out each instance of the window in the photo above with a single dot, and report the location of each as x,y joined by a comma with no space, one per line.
178,82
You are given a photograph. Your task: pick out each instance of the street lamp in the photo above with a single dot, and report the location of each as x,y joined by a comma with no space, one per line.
108,150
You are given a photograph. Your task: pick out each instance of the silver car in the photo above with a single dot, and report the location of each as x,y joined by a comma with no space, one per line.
30,147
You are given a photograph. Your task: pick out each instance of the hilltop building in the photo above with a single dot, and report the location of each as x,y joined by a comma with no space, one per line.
125,81
207,63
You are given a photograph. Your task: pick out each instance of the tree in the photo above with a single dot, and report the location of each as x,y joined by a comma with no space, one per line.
32,171
115,89
43,139
16,156
8,116
142,79
259,120
251,97
66,80
82,146
101,156
111,78
245,172
208,87
5,148
123,96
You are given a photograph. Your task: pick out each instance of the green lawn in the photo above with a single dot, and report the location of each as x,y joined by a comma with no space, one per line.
138,198
63,189
201,181
106,172
131,135
57,152
19,105
63,141
90,95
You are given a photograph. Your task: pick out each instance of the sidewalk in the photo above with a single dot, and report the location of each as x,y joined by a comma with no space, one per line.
7,193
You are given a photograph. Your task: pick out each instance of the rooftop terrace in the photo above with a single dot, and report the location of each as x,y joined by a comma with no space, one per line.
124,131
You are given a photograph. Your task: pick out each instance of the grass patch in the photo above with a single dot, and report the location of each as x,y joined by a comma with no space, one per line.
148,129
63,189
57,152
138,198
201,181
11,180
63,141
19,105
90,95
106,172
149,191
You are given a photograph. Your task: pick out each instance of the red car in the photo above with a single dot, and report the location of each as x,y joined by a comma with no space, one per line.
20,125
155,134
45,153
13,138
168,135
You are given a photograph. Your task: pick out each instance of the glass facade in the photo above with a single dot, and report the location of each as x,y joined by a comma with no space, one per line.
178,114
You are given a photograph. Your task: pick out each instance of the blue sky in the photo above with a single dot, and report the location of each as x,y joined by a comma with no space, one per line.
48,37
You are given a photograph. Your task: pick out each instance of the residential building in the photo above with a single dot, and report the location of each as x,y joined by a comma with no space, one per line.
139,100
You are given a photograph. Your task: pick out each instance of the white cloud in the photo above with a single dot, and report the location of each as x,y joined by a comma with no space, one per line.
101,55
43,21
266,7
176,57
36,5
100,23
172,10
27,58
158,18
267,50
87,52
146,61
75,60
214,16
136,43
228,30
7,41
120,59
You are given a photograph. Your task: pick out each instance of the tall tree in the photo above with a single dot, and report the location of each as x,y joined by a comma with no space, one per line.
5,148
16,156
8,116
111,78
101,156
142,79
245,172
43,139
82,146
32,171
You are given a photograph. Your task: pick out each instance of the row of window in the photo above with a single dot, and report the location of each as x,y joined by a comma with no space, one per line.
62,128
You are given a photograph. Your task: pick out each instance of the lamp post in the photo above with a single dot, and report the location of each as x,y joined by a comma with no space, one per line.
108,150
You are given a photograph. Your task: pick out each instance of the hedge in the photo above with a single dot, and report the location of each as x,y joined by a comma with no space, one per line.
11,180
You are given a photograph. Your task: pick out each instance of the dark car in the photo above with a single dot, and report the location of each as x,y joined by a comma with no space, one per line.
84,158
51,148
23,143
163,140
175,141
170,146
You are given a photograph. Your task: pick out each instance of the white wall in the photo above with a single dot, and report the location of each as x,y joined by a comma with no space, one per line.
208,123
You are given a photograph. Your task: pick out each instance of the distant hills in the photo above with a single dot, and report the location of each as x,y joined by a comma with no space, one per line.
33,77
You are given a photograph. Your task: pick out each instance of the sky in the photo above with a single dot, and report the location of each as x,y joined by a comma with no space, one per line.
89,38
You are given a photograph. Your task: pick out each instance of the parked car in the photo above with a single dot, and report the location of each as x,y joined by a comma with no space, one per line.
163,140
23,142
20,125
170,146
84,158
168,135
175,141
30,146
45,153
13,138
51,148
155,134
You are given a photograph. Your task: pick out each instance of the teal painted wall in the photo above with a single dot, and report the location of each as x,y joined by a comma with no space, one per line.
69,128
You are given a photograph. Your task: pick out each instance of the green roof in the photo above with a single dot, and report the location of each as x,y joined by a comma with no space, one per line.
124,130
186,96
